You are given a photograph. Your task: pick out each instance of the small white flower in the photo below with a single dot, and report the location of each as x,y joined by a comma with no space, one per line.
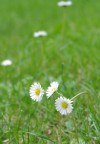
36,92
64,3
40,34
52,88
6,62
63,105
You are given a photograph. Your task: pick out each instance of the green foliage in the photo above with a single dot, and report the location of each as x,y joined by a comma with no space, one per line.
69,54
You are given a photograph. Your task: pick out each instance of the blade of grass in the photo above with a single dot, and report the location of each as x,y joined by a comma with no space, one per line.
39,135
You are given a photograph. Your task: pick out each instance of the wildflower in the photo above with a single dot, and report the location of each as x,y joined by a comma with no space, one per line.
40,34
63,105
64,3
36,92
52,88
6,62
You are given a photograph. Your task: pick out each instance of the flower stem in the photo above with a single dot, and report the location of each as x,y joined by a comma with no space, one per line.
59,93
63,25
77,95
60,130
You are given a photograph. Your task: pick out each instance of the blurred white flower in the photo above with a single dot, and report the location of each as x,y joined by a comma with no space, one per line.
63,105
64,3
40,34
36,92
52,88
6,62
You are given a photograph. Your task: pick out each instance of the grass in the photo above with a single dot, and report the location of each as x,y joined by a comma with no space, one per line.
73,61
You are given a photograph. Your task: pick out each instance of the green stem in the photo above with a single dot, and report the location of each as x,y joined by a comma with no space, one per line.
63,25
77,95
59,93
60,130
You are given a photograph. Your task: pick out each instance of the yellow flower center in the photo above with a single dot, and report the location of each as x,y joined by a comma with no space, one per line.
37,91
53,89
64,105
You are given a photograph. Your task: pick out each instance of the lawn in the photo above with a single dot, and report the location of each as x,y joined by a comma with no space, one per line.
69,54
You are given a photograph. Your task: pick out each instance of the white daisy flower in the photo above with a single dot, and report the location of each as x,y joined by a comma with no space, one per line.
40,34
63,105
64,3
52,88
6,62
36,92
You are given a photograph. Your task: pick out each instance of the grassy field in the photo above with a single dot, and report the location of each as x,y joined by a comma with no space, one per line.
69,54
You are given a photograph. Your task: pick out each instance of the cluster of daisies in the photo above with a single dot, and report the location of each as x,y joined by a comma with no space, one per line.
62,104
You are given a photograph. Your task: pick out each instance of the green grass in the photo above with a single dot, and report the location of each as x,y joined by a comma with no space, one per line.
69,54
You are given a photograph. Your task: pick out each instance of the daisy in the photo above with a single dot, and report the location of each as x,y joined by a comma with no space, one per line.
63,105
64,3
40,34
36,92
6,62
52,88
